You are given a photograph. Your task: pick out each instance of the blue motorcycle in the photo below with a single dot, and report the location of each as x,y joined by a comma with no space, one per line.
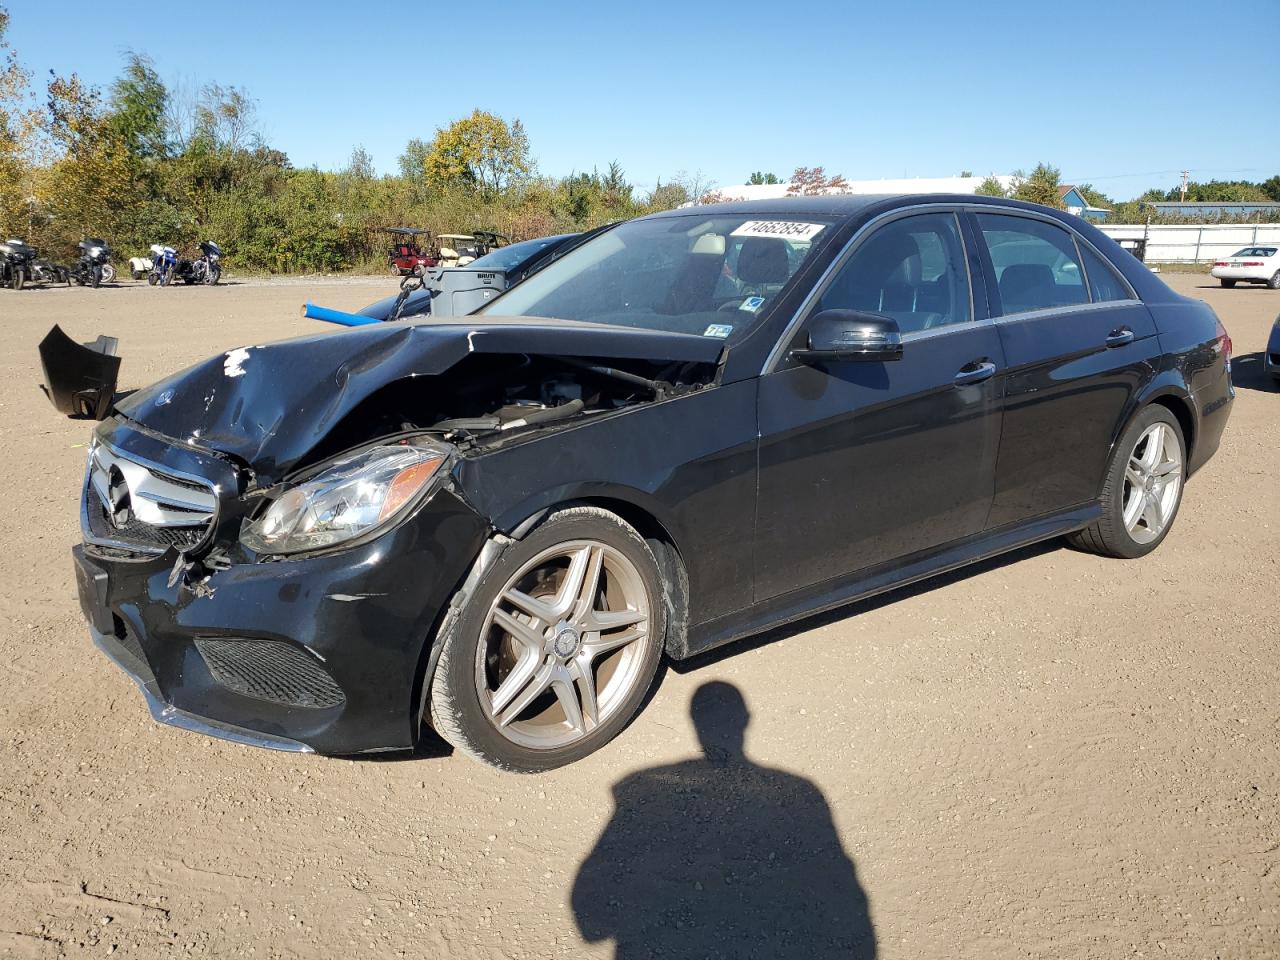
164,262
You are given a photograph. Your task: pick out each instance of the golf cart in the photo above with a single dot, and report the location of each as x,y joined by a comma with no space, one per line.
459,249
406,252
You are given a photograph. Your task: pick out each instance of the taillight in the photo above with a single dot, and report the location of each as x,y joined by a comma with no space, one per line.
1221,263
1252,263
1224,344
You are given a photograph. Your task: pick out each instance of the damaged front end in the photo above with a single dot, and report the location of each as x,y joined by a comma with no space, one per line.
272,537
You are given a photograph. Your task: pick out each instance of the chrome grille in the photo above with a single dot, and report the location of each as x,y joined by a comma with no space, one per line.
140,505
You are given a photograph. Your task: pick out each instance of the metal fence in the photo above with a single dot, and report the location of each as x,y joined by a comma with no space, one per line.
1195,243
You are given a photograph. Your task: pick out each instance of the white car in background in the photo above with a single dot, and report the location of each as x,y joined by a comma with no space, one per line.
1257,264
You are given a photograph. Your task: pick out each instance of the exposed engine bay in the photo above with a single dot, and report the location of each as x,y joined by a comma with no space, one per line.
487,400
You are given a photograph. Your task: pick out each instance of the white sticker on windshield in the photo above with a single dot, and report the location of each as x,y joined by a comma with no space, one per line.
780,229
720,330
751,303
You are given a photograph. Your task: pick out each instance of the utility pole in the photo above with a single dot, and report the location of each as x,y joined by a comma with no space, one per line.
1185,175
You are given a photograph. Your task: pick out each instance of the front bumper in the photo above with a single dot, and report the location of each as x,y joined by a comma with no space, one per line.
322,654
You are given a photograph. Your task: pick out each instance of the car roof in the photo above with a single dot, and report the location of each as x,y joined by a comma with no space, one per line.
845,205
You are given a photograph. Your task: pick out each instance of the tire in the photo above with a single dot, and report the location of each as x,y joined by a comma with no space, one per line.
479,654
153,279
96,277
1227,283
19,278
108,273
213,276
135,274
1110,535
1274,282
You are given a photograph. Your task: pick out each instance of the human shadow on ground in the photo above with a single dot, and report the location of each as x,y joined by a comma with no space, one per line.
719,857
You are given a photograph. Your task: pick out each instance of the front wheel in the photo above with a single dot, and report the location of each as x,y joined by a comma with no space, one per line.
553,653
108,273
19,278
1274,282
1143,488
96,277
212,276
153,278
1227,283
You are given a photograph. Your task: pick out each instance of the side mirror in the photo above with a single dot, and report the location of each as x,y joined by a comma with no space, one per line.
851,335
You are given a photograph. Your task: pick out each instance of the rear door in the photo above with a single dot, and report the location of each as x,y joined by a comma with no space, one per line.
1077,343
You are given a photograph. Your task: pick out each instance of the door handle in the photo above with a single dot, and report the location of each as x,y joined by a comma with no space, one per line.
975,372
1119,337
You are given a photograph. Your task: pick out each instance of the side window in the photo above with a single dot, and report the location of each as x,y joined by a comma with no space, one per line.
1036,263
912,270
1103,282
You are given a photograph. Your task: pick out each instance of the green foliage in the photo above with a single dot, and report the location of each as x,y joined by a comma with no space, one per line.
1220,190
1094,197
1040,186
990,187
138,103
759,179
481,151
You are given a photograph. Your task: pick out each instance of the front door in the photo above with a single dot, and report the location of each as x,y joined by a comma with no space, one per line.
862,462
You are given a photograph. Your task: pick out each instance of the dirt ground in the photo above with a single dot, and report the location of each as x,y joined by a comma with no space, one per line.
1052,755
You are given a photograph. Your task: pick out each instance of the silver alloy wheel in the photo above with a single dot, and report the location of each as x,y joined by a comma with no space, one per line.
563,645
1152,482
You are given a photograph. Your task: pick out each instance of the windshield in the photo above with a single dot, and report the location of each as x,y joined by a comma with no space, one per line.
708,275
506,258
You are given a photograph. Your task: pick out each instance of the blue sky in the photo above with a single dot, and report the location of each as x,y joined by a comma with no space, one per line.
1115,93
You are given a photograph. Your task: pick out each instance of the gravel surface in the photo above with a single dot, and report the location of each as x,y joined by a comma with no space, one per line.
1049,755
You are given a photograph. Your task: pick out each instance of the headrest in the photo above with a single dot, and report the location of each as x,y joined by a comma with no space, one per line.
709,243
763,260
1026,283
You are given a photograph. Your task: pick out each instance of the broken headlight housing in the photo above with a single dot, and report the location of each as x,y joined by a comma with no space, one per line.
348,498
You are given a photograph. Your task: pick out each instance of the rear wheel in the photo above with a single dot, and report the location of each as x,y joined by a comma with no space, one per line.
1228,283
1143,489
1274,282
554,651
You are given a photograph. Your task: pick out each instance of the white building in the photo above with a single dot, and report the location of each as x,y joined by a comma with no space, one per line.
769,191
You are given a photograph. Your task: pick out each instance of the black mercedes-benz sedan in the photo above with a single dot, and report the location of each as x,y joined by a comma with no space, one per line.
692,427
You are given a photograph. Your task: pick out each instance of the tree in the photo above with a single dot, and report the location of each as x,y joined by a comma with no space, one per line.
17,127
1094,197
139,104
360,166
966,174
1040,186
759,179
1271,187
813,181
481,151
990,187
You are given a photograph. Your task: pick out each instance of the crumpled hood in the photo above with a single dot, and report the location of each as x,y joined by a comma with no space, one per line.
270,405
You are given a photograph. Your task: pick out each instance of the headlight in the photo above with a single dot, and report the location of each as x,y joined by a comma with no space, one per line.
347,499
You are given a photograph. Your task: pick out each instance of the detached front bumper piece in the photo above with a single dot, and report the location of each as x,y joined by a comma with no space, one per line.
322,654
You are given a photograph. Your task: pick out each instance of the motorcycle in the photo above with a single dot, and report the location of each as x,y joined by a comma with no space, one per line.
16,259
45,271
94,266
166,267
161,267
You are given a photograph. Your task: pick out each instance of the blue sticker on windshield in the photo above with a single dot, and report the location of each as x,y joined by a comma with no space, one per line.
720,330
752,303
